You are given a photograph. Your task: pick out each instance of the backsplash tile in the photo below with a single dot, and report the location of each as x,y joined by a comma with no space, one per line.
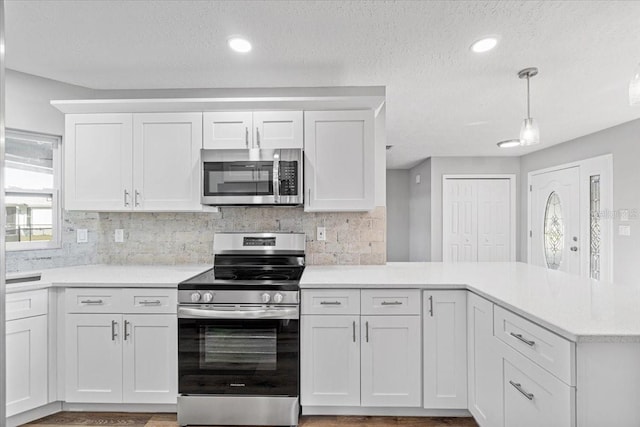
187,238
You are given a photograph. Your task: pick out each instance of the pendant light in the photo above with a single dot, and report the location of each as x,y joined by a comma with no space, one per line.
529,132
634,88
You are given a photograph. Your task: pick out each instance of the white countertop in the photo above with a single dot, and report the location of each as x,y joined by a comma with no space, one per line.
102,275
576,308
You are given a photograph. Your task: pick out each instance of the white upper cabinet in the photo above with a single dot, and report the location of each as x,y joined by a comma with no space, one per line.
166,154
124,162
98,162
223,130
242,129
339,160
278,129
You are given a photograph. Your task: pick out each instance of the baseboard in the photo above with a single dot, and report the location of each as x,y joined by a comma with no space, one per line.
119,407
34,414
393,412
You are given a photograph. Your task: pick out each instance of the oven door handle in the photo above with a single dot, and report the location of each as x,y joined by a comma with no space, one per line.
270,313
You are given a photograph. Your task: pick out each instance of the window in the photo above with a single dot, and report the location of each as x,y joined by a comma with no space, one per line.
32,182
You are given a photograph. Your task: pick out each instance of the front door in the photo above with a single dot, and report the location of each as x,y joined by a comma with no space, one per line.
555,220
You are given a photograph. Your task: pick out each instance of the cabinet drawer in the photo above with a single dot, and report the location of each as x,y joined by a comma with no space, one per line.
149,300
93,300
21,305
330,301
533,397
545,348
391,302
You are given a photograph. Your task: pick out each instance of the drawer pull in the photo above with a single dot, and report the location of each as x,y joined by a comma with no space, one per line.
367,330
391,303
114,334
92,301
126,329
354,331
523,339
518,387
330,303
431,305
151,302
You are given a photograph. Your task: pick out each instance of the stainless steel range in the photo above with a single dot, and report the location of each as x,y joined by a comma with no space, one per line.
238,333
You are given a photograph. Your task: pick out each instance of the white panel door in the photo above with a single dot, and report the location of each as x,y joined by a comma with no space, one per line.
278,129
445,349
98,162
330,360
93,358
460,216
339,160
494,220
555,220
391,361
228,130
166,161
150,358
484,364
26,370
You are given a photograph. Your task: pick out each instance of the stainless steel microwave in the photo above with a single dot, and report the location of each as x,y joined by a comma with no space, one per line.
252,177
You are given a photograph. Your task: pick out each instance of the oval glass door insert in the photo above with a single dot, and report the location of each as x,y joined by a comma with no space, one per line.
553,232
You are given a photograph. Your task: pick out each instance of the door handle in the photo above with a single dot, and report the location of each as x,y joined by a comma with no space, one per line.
258,137
518,387
114,334
354,331
574,248
126,329
137,203
366,326
126,195
523,339
431,305
246,136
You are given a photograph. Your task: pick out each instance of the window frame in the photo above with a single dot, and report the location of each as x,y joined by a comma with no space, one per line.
56,217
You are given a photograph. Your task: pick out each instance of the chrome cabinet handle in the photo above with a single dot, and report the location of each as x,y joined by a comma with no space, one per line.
126,195
136,198
330,303
391,303
354,331
309,199
431,305
152,302
366,325
92,301
126,329
113,330
258,137
518,387
523,339
246,136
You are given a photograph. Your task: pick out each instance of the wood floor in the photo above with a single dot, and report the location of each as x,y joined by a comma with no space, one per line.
115,419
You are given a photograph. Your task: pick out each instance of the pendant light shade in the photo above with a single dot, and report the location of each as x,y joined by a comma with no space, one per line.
529,132
634,88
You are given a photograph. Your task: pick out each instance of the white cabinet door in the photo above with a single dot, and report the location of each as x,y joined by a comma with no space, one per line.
233,130
93,358
98,162
166,161
26,370
330,360
278,129
339,149
445,349
484,364
150,358
391,362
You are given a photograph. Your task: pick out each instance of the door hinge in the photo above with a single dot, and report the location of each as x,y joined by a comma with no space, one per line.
530,233
531,188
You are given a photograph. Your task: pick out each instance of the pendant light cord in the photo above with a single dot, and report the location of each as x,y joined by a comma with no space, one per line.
528,99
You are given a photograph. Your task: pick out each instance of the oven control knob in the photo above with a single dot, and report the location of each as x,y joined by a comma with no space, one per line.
277,298
195,297
266,298
207,297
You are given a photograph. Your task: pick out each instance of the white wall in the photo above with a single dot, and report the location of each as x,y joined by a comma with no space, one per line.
623,142
397,215
420,211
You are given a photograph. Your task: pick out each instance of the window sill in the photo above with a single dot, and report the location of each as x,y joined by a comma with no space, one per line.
31,246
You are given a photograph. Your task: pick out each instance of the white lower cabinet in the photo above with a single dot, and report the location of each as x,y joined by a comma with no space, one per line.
445,349
26,375
484,364
120,358
330,363
390,370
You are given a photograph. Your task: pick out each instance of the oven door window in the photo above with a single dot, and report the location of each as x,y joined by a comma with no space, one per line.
246,178
242,357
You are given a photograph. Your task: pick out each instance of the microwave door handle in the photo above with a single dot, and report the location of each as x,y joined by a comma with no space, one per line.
276,179
191,313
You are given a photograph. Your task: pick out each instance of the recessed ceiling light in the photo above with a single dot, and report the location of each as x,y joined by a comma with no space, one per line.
509,143
239,44
484,44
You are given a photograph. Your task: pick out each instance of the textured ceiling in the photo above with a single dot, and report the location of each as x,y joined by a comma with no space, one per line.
442,100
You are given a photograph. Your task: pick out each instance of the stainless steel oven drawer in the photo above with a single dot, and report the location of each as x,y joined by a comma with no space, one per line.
237,410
